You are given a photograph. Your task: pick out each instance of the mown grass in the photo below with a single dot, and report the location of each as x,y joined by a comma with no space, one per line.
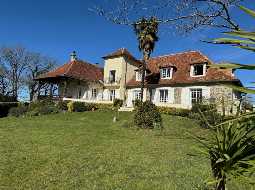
87,151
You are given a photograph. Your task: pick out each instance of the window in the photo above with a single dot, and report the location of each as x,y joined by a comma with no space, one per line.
94,93
112,95
198,70
163,95
137,95
139,75
166,73
196,95
112,76
79,94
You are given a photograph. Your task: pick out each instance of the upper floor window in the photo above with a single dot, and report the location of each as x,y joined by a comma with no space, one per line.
198,70
163,95
166,73
139,75
112,76
196,95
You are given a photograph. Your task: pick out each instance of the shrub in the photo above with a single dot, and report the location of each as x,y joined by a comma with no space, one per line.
70,107
4,98
174,111
103,107
5,107
206,114
117,103
62,105
137,103
147,115
42,108
80,107
21,110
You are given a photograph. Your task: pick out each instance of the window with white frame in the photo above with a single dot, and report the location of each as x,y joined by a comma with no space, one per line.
137,95
112,95
196,95
139,75
198,70
94,93
166,73
163,95
112,76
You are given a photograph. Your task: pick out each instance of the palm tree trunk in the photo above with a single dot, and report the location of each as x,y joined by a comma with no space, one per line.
222,184
146,57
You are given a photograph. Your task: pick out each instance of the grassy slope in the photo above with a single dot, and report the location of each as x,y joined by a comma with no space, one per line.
88,151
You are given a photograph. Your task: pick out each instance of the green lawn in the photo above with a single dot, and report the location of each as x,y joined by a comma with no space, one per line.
87,151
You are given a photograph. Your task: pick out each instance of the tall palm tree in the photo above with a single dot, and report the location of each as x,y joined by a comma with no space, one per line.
146,31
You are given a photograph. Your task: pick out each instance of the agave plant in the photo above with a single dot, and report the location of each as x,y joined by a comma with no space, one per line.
240,39
146,31
231,150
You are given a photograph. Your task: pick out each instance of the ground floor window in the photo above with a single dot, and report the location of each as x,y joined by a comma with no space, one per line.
79,94
112,95
163,95
196,95
137,95
94,93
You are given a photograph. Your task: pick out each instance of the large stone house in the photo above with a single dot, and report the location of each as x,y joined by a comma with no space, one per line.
175,80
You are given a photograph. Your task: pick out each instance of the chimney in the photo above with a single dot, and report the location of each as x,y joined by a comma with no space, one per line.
73,56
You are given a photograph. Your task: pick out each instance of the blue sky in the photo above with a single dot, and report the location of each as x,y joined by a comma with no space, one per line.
57,27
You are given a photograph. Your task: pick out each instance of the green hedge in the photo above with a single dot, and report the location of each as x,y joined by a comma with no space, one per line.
5,107
174,111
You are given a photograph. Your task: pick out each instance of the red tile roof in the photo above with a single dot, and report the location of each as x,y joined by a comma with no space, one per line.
122,52
76,69
182,62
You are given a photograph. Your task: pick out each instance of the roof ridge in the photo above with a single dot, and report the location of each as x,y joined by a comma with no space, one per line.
69,68
179,53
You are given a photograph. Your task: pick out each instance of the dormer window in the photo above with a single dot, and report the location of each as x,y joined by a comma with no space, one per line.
166,73
139,75
198,70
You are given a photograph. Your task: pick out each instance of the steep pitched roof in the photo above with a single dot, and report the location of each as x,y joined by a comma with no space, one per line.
122,52
182,62
76,69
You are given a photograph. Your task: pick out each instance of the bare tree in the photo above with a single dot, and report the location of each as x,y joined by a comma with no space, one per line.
15,61
37,65
3,81
145,17
19,68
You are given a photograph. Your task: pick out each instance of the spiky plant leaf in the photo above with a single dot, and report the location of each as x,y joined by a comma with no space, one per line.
247,48
248,11
232,41
241,89
233,66
242,34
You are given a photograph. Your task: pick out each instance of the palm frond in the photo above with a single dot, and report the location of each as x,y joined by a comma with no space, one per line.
248,11
232,41
232,66
242,34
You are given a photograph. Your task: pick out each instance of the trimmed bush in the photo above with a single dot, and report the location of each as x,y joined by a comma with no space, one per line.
5,107
42,108
147,116
7,98
103,107
21,110
174,111
80,107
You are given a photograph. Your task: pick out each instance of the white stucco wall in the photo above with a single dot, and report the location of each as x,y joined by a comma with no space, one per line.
185,96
